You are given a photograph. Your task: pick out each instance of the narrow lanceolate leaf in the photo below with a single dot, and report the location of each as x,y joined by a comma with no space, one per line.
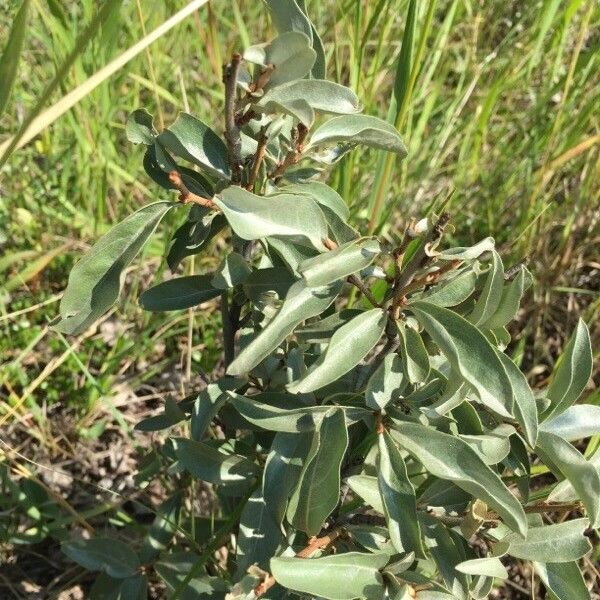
318,491
564,580
292,420
352,130
9,61
489,567
283,469
112,556
573,372
234,270
387,383
447,551
582,474
95,281
208,464
367,487
284,215
452,292
348,346
300,304
451,458
510,300
415,359
194,141
489,298
468,253
179,293
290,53
469,353
343,576
577,422
140,127
319,94
339,263
525,407
258,535
559,543
399,499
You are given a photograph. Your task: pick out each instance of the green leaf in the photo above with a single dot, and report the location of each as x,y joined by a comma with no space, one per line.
352,130
259,534
290,53
339,263
283,469
300,304
9,61
298,108
451,458
179,293
171,416
293,420
321,95
559,543
343,576
575,423
112,556
451,292
510,300
367,487
318,491
263,283
140,127
288,16
446,548
489,567
208,403
209,464
563,580
489,298
162,529
194,141
564,491
174,568
95,281
233,271
468,253
398,497
492,449
348,346
323,329
573,372
469,353
584,477
321,193
415,359
387,383
525,407
285,215
194,235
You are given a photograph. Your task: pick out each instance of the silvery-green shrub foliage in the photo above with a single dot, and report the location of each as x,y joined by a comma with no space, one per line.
374,449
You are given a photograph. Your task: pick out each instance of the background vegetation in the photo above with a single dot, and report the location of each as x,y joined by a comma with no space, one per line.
500,120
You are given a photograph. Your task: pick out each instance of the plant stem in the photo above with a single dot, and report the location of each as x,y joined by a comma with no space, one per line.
232,131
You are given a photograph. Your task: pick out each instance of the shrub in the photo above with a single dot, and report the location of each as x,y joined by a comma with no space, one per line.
370,448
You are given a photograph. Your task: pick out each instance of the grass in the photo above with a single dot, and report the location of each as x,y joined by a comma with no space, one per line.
494,99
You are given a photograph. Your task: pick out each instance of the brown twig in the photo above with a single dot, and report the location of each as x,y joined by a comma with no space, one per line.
357,282
188,197
232,131
258,158
294,155
422,255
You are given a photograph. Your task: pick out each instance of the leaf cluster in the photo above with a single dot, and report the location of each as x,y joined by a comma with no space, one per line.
395,430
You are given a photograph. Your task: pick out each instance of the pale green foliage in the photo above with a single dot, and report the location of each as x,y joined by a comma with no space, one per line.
403,405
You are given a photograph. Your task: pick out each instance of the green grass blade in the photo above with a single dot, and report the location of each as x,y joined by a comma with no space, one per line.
406,76
9,61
